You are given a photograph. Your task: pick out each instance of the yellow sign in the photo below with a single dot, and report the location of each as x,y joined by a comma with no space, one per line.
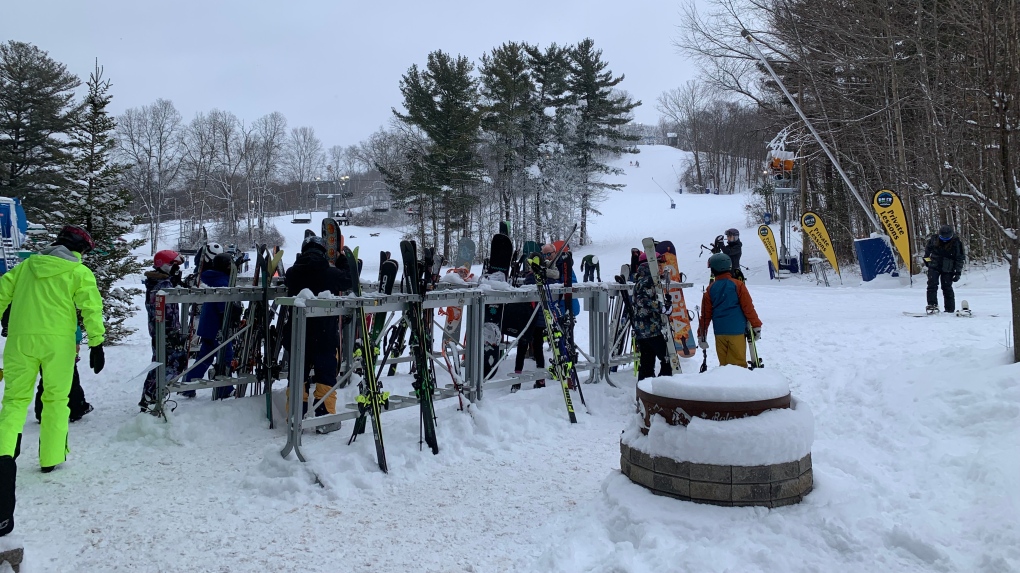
889,209
766,236
812,224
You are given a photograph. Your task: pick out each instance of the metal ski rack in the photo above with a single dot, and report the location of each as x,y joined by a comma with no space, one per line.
200,295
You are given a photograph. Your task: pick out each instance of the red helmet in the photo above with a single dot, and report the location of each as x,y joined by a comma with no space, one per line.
166,259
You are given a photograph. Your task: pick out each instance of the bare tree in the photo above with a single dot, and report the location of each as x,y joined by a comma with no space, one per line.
686,108
149,142
303,158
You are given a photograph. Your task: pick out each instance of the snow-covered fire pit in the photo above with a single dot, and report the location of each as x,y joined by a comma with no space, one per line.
729,436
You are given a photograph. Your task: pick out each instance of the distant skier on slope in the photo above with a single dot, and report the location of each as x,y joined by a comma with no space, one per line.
647,324
945,258
47,291
590,268
727,305
312,271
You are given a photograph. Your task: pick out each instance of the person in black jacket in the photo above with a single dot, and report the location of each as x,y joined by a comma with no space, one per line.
312,271
944,257
733,247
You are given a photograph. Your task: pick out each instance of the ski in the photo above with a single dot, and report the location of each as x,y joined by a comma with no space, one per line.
752,343
501,252
561,366
372,399
418,277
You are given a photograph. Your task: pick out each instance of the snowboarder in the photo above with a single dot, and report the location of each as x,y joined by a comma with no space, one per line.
210,321
590,268
47,292
312,271
166,273
727,305
945,258
647,324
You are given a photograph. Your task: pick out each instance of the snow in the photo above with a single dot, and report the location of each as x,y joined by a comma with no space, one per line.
915,465
772,437
724,384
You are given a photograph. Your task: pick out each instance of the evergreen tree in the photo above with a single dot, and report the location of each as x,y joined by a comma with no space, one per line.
37,111
602,111
509,117
441,104
97,201
554,171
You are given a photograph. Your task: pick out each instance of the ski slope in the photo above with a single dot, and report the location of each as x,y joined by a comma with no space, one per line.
917,430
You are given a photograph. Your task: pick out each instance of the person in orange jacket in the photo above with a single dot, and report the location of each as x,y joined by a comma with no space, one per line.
727,305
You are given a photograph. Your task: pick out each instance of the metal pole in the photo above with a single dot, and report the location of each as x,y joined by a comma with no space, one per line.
835,162
295,382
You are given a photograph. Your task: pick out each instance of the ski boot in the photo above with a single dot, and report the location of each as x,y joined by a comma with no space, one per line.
964,310
931,309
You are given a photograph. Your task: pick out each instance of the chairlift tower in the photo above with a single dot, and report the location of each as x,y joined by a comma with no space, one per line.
338,191
780,167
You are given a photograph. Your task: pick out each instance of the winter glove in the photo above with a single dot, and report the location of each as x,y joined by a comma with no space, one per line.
702,343
552,273
175,275
757,332
97,360
956,277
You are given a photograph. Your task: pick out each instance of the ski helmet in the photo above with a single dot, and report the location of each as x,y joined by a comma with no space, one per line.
314,242
643,257
210,251
732,233
946,232
222,262
75,238
720,263
166,259
594,260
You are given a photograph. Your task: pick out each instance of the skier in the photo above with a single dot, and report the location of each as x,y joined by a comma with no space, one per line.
166,273
727,305
210,321
733,248
47,291
312,271
647,324
590,268
945,258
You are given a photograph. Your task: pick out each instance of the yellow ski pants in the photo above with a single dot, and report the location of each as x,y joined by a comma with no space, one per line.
731,349
24,355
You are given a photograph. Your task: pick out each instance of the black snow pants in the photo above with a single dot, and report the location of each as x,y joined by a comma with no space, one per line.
934,276
650,349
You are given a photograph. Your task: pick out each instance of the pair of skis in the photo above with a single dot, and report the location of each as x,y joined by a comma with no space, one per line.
562,366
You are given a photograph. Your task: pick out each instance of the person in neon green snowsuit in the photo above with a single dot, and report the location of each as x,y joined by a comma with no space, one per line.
45,293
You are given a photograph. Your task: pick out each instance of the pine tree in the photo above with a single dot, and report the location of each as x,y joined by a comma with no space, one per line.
509,117
37,110
98,202
442,109
602,111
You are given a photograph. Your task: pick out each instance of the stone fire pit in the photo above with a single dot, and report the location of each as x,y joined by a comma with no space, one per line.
729,437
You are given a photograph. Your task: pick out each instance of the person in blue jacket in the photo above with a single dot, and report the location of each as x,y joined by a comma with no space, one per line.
210,321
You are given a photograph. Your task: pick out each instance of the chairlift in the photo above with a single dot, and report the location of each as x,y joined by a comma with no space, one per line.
380,206
301,219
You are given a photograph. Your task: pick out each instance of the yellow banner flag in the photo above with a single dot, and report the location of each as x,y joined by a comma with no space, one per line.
889,209
812,224
766,236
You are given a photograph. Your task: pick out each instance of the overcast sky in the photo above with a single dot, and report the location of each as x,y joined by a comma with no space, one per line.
333,65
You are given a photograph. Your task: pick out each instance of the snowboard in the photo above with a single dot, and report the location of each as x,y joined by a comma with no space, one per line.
454,314
679,317
501,252
334,240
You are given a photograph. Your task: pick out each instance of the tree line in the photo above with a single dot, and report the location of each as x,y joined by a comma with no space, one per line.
917,97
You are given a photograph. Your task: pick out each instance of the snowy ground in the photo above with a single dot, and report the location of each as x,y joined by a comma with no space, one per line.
917,431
